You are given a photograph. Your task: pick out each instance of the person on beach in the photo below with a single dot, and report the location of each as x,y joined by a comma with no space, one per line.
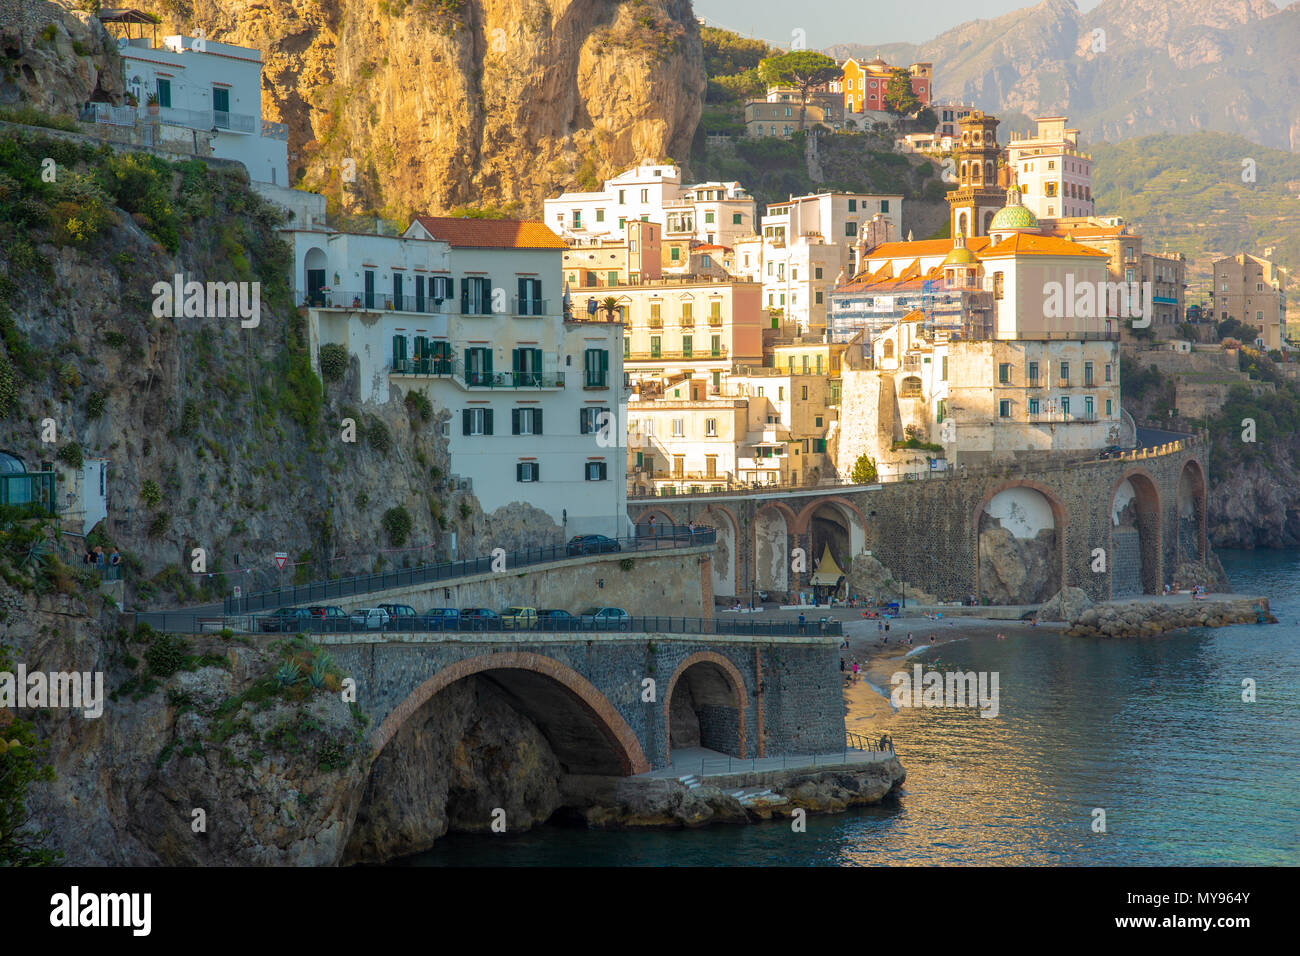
841,665
909,638
855,671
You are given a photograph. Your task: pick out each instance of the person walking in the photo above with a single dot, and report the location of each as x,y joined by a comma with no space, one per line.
855,670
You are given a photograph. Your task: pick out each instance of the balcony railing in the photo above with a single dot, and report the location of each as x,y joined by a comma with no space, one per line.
478,379
655,323
379,302
528,306
666,356
222,120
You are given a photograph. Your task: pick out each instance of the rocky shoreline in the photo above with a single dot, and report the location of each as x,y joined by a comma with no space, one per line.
634,802
1149,618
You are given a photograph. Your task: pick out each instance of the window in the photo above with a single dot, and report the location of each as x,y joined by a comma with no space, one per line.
1004,408
654,346
595,471
1033,406
645,195
804,393
688,346
817,297
526,367
596,367
818,421
884,205
526,421
590,419
715,345
528,471
475,296
1065,406
853,205
530,297
612,278
441,288
164,93
943,376
1089,410
622,200
1065,373
478,366
627,346
1087,373
997,285
476,421
1108,408
600,215
1004,373
737,219
708,216
679,427
675,253
711,427
941,411
1032,373
780,393
850,229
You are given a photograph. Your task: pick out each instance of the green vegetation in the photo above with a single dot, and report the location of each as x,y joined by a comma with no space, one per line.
916,443
801,69
864,470
419,405
70,454
397,522
150,493
21,764
510,210
899,97
1193,192
333,362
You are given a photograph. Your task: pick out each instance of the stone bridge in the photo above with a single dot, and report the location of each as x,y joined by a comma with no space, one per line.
1014,534
739,695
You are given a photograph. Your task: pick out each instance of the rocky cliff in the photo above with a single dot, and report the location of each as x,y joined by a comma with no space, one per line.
441,103
55,59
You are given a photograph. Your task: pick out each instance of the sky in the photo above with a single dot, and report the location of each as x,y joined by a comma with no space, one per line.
855,21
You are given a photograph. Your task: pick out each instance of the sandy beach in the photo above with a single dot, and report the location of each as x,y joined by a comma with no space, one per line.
868,710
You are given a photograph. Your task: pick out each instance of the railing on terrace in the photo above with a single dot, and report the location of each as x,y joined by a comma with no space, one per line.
209,119
436,623
665,355
319,591
379,302
1021,468
108,114
455,368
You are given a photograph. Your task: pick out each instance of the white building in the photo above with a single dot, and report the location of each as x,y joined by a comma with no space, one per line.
808,241
713,213
470,312
1055,177
210,91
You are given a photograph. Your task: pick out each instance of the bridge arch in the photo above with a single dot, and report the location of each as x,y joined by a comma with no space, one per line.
772,526
1191,515
663,520
705,705
1135,535
584,729
726,559
835,522
1020,526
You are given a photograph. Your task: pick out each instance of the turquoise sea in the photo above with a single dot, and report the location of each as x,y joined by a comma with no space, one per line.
1153,731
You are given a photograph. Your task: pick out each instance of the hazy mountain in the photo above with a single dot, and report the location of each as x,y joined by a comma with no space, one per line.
1126,68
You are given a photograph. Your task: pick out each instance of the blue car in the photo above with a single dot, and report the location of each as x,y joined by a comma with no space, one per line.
442,619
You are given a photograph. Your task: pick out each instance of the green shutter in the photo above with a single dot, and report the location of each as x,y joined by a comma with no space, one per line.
464,421
519,471
537,421
487,421
464,296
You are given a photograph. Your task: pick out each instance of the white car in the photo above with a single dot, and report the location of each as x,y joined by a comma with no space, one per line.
370,618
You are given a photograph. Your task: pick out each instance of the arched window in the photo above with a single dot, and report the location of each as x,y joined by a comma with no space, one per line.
961,224
989,171
976,170
988,221
964,173
889,349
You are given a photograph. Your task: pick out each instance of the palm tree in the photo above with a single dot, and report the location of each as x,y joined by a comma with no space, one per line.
610,306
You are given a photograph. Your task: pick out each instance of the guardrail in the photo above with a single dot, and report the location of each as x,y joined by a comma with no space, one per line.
319,592
183,622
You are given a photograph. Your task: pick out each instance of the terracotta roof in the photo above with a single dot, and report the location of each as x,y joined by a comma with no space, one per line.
491,233
1023,244
1094,232
923,247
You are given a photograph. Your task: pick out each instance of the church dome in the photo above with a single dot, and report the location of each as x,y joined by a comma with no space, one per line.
1014,215
960,256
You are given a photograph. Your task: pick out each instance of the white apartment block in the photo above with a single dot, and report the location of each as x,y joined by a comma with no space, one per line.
470,312
203,90
1055,177
808,241
712,213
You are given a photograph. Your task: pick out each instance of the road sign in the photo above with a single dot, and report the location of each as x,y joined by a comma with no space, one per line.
239,592
280,558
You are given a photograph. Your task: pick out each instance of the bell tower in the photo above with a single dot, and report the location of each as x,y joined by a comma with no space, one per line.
977,197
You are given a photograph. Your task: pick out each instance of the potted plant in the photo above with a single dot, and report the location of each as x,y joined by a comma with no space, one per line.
131,100
152,103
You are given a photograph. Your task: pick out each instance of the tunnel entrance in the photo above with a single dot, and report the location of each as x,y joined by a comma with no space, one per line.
704,710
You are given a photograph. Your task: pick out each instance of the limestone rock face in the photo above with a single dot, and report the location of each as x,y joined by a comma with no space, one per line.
465,754
55,58
448,102
872,580
1017,570
1066,604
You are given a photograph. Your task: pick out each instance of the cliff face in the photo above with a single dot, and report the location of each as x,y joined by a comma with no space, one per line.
55,59
439,103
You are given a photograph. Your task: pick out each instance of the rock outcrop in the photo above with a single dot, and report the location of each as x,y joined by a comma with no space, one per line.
440,103
1147,619
870,579
1066,604
1016,570
55,59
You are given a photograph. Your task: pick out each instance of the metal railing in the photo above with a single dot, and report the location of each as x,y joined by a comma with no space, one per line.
379,302
209,119
704,352
434,622
528,306
320,591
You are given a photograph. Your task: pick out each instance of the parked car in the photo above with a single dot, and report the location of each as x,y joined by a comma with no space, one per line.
479,619
1111,451
606,619
519,618
327,617
442,618
553,619
592,544
371,618
286,619
401,615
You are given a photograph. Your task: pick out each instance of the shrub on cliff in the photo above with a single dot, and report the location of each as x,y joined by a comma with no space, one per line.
397,522
20,766
8,390
864,470
333,362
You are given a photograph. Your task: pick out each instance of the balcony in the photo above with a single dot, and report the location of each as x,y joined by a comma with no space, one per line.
655,323
476,378
1062,383
666,356
715,321
352,300
687,322
221,120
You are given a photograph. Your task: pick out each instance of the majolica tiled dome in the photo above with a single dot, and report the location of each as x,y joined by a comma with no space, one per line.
1013,217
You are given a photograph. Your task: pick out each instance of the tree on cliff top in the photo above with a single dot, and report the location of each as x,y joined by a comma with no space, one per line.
864,470
20,766
900,99
802,69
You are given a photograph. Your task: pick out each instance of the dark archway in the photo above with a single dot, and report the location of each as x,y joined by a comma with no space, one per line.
705,705
1191,513
1135,546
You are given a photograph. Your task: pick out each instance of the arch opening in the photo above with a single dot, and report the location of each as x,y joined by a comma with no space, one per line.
1191,513
1135,537
723,564
771,550
1019,547
706,709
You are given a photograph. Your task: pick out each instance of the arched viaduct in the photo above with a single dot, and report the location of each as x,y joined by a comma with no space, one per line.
1112,527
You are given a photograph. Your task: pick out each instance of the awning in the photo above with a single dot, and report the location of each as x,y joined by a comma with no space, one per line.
828,573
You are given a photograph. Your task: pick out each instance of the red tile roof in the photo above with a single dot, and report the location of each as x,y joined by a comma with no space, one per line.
1024,243
491,233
